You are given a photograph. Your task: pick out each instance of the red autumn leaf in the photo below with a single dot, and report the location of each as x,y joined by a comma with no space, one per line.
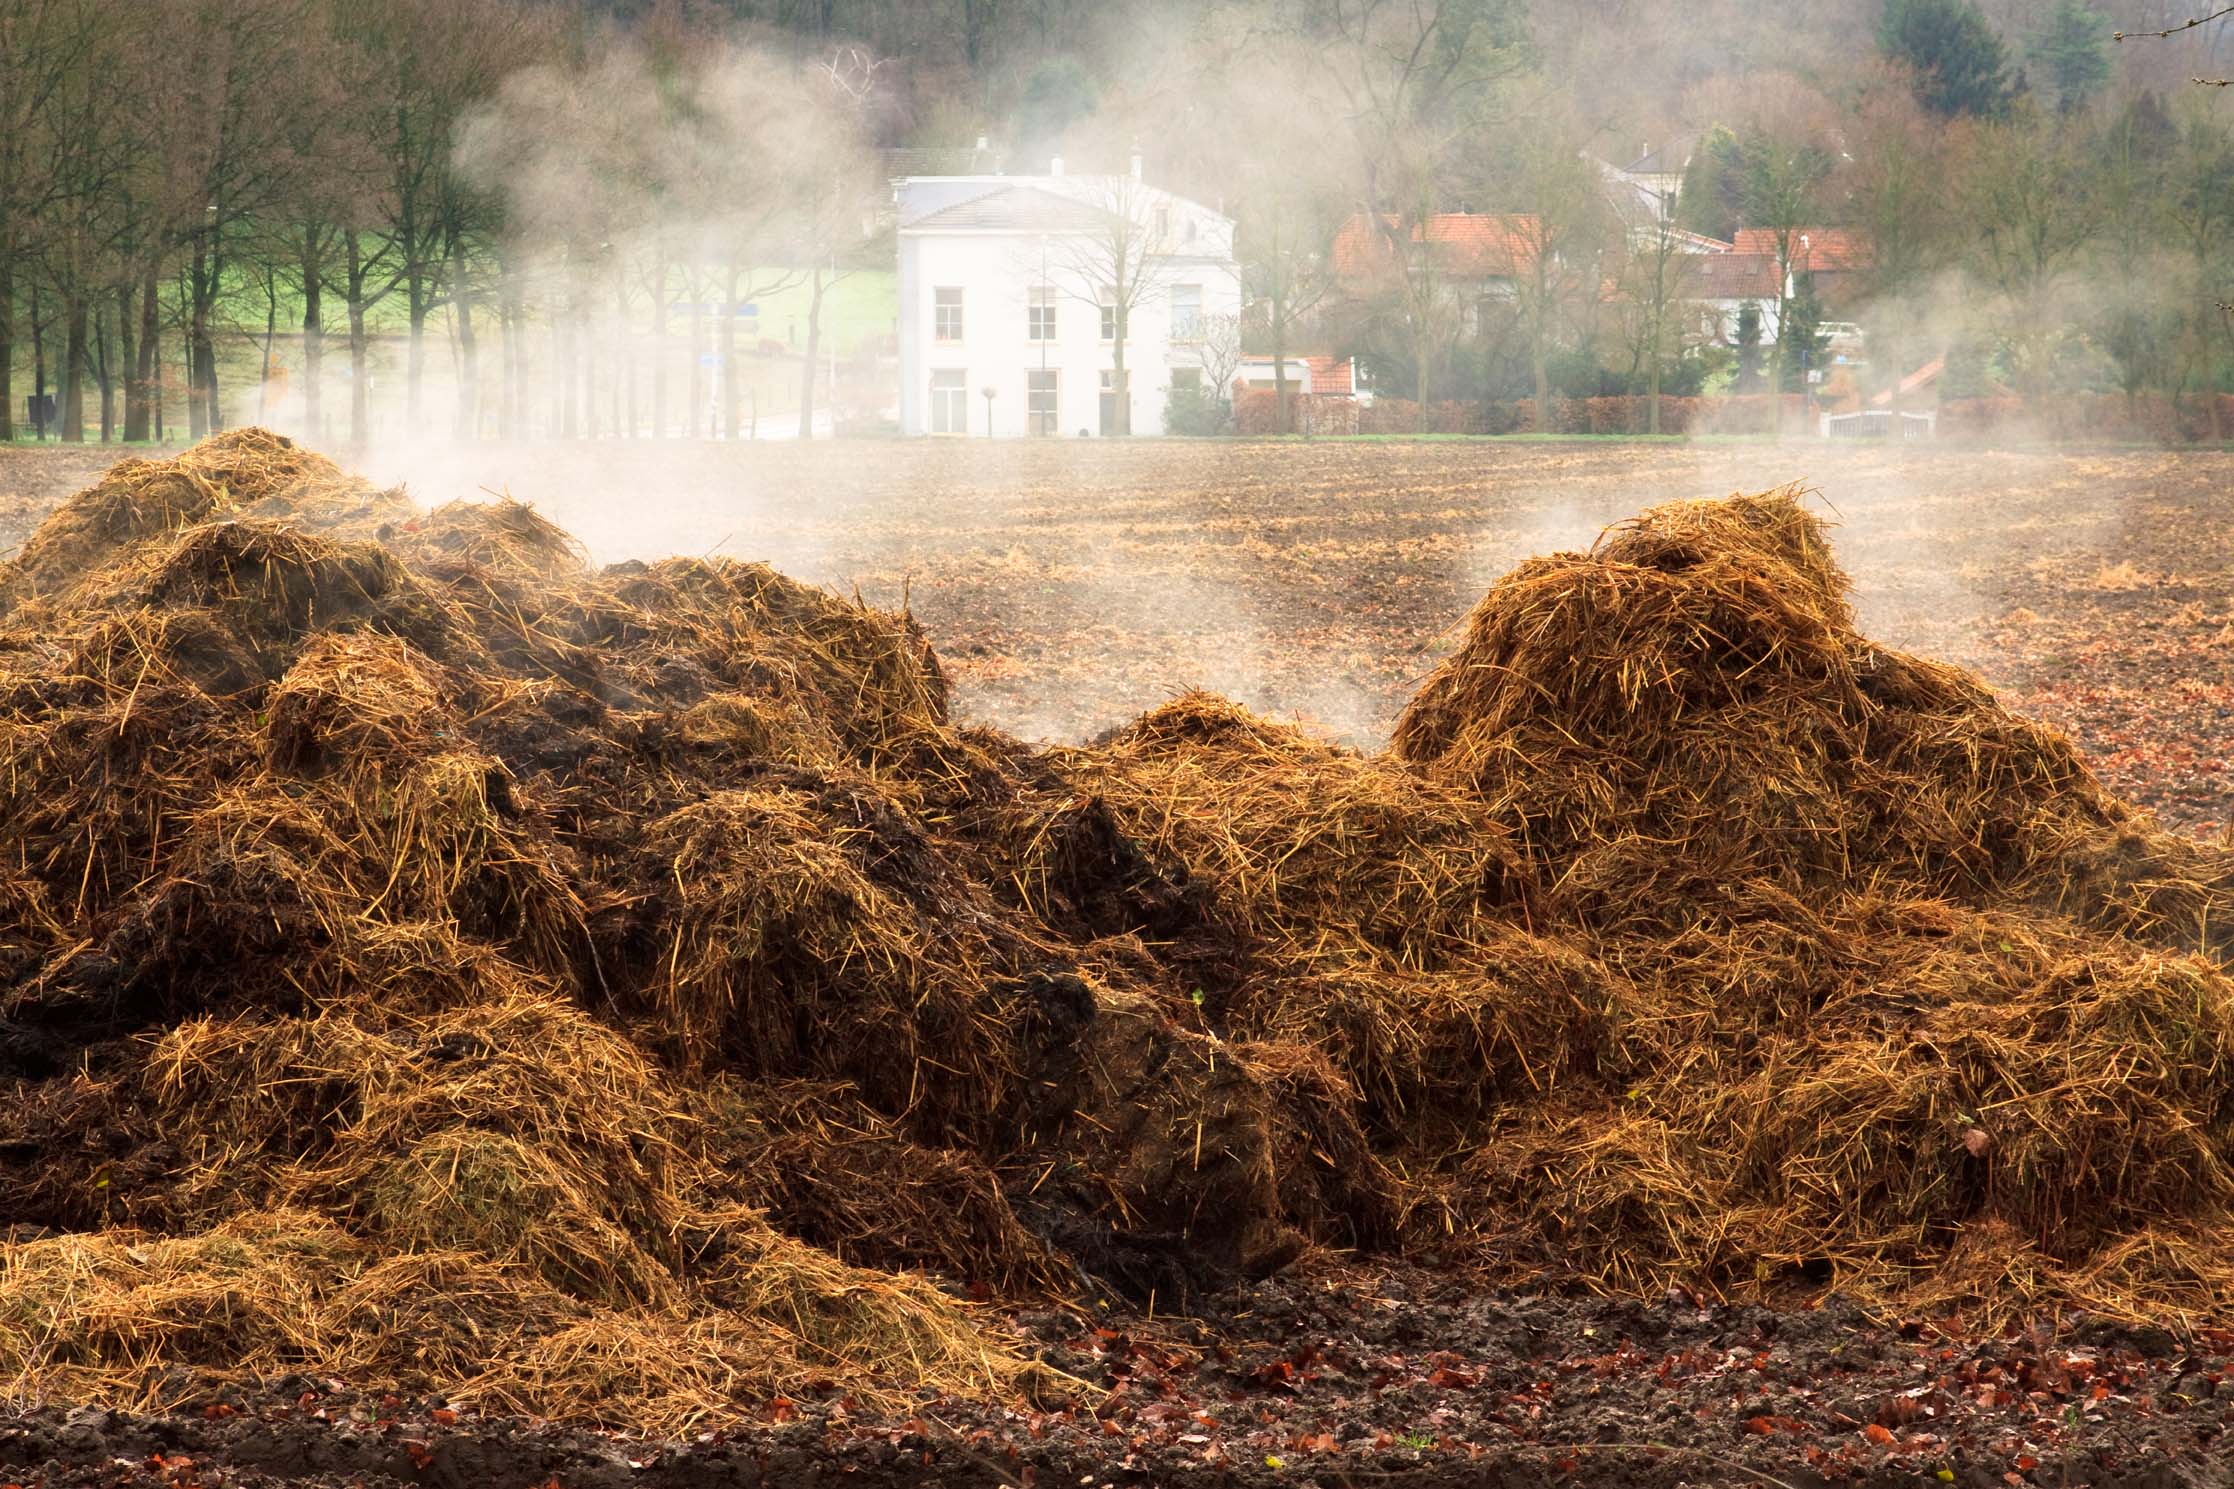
420,1457
1451,1380
783,1409
1761,1425
1879,1433
445,1416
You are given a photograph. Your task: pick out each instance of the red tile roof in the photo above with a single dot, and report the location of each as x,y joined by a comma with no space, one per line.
1729,276
1332,375
1828,250
1466,245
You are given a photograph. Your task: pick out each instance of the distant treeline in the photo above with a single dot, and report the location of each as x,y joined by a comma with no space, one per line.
563,208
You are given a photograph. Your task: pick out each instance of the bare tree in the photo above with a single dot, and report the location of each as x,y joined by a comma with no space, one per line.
2036,219
1656,279
833,218
42,43
1564,221
1782,176
237,79
419,67
1416,81
1284,237
1117,264
1898,197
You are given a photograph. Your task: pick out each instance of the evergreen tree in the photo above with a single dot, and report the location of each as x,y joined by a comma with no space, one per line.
1057,95
2072,53
1960,64
1749,348
1799,334
1711,199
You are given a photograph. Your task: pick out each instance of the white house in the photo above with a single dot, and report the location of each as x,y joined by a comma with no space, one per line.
1012,286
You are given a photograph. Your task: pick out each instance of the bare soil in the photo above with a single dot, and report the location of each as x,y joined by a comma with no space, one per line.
1320,1377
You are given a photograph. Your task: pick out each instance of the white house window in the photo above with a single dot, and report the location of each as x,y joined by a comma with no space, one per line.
947,314
1109,315
1040,385
1163,222
950,401
1040,314
1186,379
1186,312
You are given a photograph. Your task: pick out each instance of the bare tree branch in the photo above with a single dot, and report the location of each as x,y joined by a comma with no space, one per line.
2188,25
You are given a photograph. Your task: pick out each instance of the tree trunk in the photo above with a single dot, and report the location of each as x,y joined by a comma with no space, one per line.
1539,339
1120,382
204,411
469,347
7,344
515,303
271,334
585,361
814,350
39,363
190,291
558,381
314,335
138,421
155,381
127,355
624,395
508,343
210,397
1898,356
659,346
104,371
729,354
75,355
1280,405
415,363
360,410
697,350
1423,352
1652,406
1776,371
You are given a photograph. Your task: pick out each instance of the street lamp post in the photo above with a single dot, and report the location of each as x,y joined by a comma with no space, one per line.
990,393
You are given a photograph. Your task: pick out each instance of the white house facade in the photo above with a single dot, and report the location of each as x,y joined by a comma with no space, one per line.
1007,287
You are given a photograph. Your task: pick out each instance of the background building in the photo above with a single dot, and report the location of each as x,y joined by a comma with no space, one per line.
1079,303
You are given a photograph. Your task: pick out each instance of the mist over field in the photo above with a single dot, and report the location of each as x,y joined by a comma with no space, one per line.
527,220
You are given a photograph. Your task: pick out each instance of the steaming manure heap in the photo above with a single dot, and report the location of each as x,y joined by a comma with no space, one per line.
625,993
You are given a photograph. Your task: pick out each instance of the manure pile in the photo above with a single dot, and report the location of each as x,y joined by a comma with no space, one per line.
625,993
